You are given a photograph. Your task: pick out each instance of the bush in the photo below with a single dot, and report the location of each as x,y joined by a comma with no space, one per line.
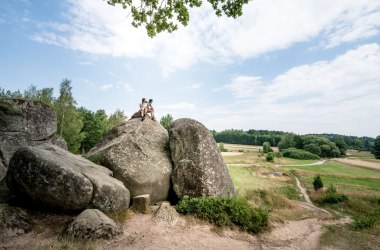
361,222
299,154
225,212
332,196
222,148
290,191
317,183
266,147
270,156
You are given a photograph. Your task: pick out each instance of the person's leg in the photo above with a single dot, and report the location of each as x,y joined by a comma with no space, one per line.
152,113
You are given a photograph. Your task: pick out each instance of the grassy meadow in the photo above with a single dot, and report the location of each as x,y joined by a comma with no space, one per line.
254,179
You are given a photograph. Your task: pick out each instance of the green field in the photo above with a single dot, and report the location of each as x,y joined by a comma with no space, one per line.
344,177
361,185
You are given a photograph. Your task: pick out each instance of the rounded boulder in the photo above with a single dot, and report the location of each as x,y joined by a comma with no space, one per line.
53,177
138,154
199,169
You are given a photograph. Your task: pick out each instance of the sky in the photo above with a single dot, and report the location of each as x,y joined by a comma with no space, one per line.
301,66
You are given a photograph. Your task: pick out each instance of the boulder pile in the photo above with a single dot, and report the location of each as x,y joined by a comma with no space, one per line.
138,159
25,123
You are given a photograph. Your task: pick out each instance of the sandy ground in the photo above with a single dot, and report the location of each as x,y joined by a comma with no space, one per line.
141,232
231,153
359,163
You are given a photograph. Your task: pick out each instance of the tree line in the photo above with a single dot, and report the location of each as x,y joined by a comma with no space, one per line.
81,128
325,145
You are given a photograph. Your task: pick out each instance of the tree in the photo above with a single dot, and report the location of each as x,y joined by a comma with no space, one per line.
312,148
317,183
44,95
287,141
164,15
222,148
266,147
341,144
166,121
92,130
115,119
376,148
69,120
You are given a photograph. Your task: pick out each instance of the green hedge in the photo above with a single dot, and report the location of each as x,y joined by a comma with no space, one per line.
299,154
225,212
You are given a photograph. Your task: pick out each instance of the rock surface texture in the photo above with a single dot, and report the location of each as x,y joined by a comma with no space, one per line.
24,123
51,176
14,221
199,169
138,154
141,203
166,214
92,224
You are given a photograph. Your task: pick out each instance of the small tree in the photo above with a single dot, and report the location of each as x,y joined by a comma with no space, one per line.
266,147
222,148
270,156
166,121
278,155
317,183
376,148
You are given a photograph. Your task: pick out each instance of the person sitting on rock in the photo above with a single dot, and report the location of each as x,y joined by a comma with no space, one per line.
143,108
151,109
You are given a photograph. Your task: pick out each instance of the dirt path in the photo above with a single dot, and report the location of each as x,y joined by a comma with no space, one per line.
302,165
359,163
309,204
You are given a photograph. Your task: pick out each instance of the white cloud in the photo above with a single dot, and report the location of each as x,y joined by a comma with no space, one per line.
106,87
266,25
185,106
244,86
341,96
128,87
193,86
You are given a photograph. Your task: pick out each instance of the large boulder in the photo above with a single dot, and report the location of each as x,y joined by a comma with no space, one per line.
25,123
138,154
51,176
92,224
199,169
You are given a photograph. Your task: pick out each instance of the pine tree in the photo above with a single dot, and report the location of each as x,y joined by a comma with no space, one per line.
317,183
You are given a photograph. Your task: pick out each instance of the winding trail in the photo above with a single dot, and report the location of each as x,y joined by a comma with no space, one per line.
321,162
308,204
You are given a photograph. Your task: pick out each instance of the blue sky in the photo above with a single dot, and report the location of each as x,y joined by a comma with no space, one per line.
303,66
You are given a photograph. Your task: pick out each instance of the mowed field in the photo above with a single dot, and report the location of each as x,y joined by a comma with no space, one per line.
353,176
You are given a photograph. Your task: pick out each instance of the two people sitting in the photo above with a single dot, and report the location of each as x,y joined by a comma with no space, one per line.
147,107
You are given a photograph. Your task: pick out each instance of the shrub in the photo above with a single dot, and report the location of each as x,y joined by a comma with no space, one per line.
270,156
266,147
317,183
225,212
332,196
290,191
361,222
222,148
299,154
